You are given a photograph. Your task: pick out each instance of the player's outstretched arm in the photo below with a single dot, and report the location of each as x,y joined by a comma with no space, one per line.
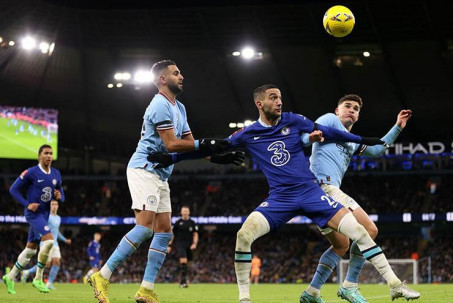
187,143
165,159
333,134
390,137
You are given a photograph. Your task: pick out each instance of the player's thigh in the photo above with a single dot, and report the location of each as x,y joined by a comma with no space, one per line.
363,218
145,188
339,196
340,242
38,228
162,223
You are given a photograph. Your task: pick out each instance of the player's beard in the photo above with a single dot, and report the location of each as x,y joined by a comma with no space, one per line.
174,88
270,115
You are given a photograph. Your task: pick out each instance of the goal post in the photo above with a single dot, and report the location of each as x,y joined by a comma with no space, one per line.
405,269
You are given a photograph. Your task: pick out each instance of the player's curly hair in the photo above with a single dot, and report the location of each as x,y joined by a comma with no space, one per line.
351,97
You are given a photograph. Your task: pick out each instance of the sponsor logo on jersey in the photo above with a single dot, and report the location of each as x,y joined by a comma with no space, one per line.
285,131
264,204
151,200
256,138
40,180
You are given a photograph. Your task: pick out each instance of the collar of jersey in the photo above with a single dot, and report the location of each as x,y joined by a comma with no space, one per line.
165,96
43,170
267,125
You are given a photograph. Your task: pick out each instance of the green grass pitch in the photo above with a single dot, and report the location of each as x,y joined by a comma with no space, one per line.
216,293
24,145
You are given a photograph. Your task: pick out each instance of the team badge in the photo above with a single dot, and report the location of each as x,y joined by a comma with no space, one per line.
46,228
264,204
285,131
190,228
152,200
54,181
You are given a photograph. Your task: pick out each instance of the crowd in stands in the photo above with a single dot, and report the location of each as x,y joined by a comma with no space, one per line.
239,195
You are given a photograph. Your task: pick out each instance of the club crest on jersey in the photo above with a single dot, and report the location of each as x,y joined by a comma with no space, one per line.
285,131
54,181
46,228
151,200
264,204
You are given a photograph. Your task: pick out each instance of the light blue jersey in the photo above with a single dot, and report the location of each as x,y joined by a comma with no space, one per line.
329,160
54,225
161,114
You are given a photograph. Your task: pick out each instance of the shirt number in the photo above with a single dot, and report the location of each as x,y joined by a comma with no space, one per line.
331,203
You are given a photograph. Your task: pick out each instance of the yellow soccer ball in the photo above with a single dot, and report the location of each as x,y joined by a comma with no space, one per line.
339,21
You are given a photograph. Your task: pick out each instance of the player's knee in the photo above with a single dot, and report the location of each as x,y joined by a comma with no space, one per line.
341,248
47,245
244,237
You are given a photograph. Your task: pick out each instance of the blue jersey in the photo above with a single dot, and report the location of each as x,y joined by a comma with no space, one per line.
39,186
278,150
330,160
54,225
161,114
94,250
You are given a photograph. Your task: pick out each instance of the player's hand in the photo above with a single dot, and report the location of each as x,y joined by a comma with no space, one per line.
57,194
214,145
168,249
33,206
403,117
316,136
162,159
370,141
193,246
91,258
234,157
68,241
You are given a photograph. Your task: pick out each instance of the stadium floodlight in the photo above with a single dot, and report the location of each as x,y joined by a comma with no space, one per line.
126,76
51,48
236,53
110,85
1,39
44,47
248,53
142,76
28,43
232,125
240,125
11,43
247,122
119,85
366,54
118,76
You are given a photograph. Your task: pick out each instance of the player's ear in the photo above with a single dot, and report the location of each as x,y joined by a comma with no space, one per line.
259,104
336,111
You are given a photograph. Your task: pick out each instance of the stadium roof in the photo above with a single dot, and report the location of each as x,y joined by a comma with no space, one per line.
410,64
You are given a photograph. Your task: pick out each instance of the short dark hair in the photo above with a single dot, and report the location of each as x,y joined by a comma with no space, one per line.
42,148
351,97
160,66
261,90
185,206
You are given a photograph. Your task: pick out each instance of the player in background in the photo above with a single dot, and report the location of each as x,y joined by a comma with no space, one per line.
42,183
256,269
329,162
94,255
274,143
165,129
55,254
185,236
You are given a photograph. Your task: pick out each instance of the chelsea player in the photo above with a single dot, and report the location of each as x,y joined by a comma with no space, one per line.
329,162
274,143
42,183
55,254
94,255
165,129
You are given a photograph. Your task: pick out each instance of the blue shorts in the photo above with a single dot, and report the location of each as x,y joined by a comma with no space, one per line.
38,225
308,200
95,263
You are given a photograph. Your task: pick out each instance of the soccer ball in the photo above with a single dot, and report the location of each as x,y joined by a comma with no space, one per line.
339,21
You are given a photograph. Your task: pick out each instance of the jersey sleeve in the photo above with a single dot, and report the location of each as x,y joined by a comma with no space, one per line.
378,150
90,250
236,139
60,187
195,227
160,115
61,237
328,119
23,181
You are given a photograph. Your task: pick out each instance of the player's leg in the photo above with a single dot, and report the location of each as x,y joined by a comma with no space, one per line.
327,263
22,261
345,223
158,248
43,255
254,227
183,269
27,272
55,267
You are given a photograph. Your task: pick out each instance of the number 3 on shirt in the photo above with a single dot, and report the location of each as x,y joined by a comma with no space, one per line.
281,155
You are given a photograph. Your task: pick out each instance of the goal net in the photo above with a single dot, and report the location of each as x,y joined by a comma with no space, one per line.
405,269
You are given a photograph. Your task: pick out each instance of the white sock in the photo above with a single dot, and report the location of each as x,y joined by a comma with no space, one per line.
106,273
347,284
242,277
147,285
22,261
313,291
43,255
89,273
